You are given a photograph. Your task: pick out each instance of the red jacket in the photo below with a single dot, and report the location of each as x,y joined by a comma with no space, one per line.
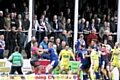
91,37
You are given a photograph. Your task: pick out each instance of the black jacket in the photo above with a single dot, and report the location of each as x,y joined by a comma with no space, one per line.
20,38
12,37
26,24
1,23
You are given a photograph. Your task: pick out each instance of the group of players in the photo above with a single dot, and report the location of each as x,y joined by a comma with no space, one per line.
96,61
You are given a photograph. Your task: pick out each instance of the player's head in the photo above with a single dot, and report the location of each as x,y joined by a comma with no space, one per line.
35,43
117,44
99,45
50,44
91,47
66,47
81,46
93,42
103,47
16,49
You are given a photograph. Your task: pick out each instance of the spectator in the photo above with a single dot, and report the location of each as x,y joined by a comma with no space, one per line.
110,42
33,29
44,45
92,36
63,43
36,26
1,21
87,27
48,26
17,61
20,39
90,17
19,21
26,12
99,13
81,26
13,20
28,47
68,14
105,36
80,41
12,40
68,25
7,22
108,18
112,25
58,45
95,18
60,17
7,27
54,23
102,29
13,8
26,25
104,18
93,26
6,11
98,24
2,46
63,36
43,26
62,25
70,39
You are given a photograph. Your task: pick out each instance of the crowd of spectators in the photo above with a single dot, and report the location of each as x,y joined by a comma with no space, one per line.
52,23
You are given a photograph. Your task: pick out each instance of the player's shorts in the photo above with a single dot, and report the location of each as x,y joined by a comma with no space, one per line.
84,65
35,63
65,66
115,63
54,63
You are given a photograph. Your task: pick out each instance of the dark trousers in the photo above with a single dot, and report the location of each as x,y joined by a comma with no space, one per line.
11,50
21,47
16,68
1,56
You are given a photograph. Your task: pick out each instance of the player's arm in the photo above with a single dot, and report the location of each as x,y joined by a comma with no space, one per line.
39,52
44,50
111,57
72,55
86,55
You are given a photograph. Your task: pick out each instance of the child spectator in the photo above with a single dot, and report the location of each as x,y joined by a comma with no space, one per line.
2,46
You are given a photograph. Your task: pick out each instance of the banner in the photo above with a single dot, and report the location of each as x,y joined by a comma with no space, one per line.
43,64
39,77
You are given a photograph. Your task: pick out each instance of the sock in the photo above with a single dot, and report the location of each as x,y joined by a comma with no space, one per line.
97,75
47,72
84,76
